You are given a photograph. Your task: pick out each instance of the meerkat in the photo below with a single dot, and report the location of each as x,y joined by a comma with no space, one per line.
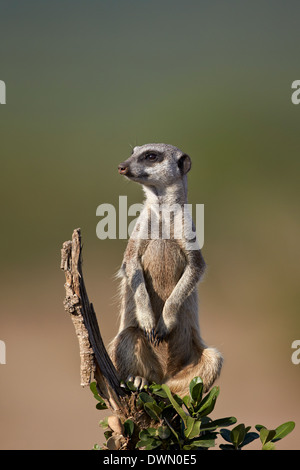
159,336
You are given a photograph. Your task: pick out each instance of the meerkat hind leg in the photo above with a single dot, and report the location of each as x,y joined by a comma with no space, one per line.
134,358
208,368
138,381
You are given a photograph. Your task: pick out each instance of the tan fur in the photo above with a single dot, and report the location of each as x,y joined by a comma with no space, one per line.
159,290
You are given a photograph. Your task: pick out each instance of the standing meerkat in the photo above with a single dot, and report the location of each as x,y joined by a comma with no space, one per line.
159,335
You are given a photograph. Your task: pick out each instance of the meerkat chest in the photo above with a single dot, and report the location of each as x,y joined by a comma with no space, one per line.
163,264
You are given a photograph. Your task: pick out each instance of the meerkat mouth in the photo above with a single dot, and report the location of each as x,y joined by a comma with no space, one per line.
140,176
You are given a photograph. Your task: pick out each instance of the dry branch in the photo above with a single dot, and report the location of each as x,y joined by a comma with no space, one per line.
94,357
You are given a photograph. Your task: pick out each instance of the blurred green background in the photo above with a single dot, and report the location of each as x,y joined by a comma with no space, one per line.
86,81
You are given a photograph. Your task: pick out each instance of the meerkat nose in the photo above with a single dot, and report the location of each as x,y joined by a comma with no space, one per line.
123,168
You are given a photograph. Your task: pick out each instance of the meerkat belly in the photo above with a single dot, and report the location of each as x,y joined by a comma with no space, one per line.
163,264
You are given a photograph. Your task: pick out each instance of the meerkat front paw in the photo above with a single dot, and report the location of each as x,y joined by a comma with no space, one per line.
147,324
165,324
161,332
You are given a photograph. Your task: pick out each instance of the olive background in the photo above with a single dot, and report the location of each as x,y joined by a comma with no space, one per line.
85,82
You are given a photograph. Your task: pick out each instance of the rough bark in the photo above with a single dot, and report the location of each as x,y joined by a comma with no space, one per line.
94,357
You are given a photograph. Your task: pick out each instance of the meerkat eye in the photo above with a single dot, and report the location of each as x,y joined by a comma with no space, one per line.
151,157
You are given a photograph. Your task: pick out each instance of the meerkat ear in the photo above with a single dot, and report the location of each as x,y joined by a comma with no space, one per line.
184,163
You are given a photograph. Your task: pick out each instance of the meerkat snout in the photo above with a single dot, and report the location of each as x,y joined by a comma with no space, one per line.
123,168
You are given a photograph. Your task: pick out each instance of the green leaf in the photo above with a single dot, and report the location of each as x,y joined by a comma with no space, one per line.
145,442
149,444
208,427
266,435
189,426
225,433
107,434
283,430
224,421
258,427
173,430
211,425
169,413
143,435
237,435
250,436
196,430
102,404
204,443
130,386
208,403
268,446
145,398
146,434
104,423
178,399
227,447
187,401
193,428
157,390
128,427
162,405
164,432
153,410
177,407
196,390
153,445
280,432
154,386
93,388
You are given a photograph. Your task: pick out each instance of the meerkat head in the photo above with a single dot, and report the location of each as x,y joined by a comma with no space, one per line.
155,165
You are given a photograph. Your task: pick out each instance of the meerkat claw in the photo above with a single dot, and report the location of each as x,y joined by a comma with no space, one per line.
159,339
150,335
153,336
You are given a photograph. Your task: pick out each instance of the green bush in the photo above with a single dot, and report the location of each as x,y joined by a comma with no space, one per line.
174,423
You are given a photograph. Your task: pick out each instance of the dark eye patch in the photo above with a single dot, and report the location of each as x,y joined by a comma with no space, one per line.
151,157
